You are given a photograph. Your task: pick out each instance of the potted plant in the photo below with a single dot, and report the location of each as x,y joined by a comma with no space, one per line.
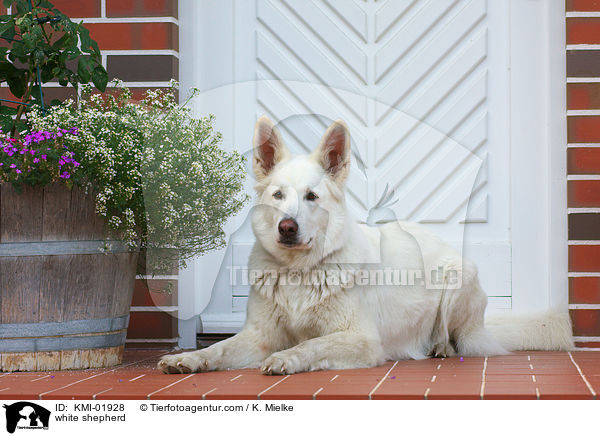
80,194
83,188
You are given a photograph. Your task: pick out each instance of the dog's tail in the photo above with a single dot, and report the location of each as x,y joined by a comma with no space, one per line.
549,331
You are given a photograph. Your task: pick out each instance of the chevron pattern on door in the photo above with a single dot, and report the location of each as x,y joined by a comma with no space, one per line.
410,77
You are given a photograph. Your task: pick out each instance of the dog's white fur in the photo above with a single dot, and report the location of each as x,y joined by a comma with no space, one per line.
293,327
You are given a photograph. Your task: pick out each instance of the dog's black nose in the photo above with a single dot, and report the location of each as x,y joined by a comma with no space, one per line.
288,228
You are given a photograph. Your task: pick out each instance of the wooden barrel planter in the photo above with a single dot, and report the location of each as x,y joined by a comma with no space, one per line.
65,292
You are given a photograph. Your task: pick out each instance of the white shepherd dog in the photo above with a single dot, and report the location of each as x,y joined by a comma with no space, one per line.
341,317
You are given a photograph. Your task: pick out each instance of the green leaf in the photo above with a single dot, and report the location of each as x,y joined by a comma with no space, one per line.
96,49
100,78
6,123
8,110
10,34
7,69
17,85
4,27
84,37
47,71
7,3
83,68
22,7
61,42
21,126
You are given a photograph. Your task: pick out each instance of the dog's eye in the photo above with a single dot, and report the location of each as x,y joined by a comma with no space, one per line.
311,196
278,195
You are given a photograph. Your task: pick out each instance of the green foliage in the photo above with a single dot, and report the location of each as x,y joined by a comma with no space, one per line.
41,38
159,175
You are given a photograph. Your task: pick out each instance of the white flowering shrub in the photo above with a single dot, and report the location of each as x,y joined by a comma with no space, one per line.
160,176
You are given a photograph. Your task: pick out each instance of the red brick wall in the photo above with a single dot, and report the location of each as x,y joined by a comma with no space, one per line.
583,168
139,39
139,44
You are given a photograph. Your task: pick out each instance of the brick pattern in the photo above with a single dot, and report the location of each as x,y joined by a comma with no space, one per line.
522,375
141,8
153,318
583,5
583,168
583,30
135,36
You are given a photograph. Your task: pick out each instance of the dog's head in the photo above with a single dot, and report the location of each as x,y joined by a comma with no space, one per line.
300,215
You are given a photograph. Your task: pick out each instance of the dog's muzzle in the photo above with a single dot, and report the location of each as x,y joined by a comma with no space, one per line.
288,231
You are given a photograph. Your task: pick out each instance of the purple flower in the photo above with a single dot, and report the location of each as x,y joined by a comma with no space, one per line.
1,164
44,157
18,171
35,160
13,166
32,152
65,175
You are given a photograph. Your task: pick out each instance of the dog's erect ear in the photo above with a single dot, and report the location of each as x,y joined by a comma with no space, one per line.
333,153
269,148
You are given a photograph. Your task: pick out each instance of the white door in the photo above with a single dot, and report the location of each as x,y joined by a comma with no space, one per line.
425,88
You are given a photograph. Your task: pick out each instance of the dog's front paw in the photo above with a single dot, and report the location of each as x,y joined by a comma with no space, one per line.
185,363
282,363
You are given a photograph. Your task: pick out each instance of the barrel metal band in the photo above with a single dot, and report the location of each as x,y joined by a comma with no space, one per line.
55,248
75,327
62,343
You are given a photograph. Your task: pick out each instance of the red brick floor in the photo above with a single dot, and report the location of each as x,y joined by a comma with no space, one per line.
524,375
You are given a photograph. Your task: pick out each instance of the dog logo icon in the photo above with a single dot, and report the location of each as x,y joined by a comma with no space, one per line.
26,415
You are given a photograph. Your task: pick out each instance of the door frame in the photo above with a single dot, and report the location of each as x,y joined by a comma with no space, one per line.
538,144
538,137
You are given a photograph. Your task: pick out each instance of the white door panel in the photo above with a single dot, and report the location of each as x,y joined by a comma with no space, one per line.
423,86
